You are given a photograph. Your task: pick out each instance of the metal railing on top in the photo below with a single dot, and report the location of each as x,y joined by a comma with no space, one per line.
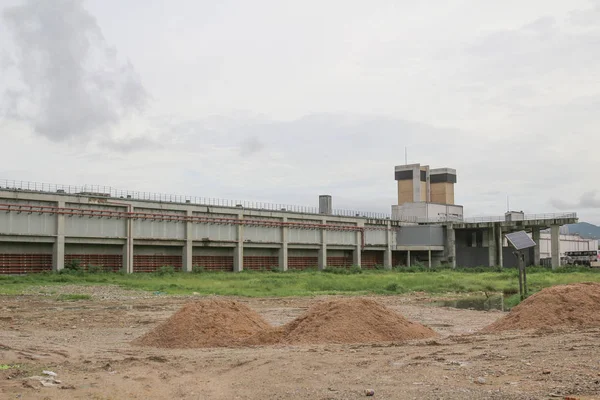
108,191
527,217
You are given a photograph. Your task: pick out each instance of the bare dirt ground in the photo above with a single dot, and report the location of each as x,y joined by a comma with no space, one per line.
87,344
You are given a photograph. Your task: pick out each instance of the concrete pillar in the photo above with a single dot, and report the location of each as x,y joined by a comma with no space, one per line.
58,250
535,235
555,245
429,258
323,249
188,247
499,245
408,258
238,252
128,246
357,253
451,245
283,252
492,251
387,255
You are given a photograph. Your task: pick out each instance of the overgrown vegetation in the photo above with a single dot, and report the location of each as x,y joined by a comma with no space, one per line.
73,297
312,282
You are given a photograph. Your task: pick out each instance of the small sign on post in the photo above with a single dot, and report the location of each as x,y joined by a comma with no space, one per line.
520,241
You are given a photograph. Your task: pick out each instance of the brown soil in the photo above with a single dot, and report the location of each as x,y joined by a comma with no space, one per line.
210,323
353,320
88,344
572,306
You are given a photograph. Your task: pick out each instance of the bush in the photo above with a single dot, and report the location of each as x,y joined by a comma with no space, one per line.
392,287
95,269
73,267
198,269
165,270
275,268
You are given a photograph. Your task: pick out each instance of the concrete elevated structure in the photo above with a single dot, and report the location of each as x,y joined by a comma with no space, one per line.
47,227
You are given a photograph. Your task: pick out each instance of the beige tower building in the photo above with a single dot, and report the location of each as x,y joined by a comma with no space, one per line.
426,194
441,185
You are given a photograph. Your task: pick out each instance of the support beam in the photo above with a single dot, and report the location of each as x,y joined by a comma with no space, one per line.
323,249
535,235
283,252
238,252
451,245
500,245
555,245
188,247
58,251
128,246
387,255
429,258
408,258
492,251
357,253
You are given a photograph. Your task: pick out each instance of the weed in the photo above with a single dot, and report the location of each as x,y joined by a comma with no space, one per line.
165,270
198,269
73,297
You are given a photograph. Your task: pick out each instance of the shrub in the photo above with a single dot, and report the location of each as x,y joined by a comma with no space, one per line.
73,266
165,270
95,269
392,287
198,269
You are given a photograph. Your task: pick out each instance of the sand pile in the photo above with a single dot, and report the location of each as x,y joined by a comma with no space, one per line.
575,305
208,323
353,320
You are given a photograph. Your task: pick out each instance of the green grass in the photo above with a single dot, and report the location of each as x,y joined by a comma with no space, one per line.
71,297
277,284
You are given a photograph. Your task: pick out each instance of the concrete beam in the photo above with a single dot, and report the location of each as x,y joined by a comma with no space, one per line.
499,246
58,251
323,249
451,245
188,247
357,251
555,245
238,252
492,251
535,235
387,256
283,251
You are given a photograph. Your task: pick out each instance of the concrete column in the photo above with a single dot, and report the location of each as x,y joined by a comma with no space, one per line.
492,251
451,245
429,259
323,249
283,252
535,235
188,247
238,253
357,253
499,245
408,258
58,250
555,245
387,255
128,246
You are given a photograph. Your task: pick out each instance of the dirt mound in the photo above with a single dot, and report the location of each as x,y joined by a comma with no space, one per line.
353,320
563,306
207,323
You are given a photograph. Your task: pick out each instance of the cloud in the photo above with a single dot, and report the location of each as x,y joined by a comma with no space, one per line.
251,146
586,201
128,145
71,84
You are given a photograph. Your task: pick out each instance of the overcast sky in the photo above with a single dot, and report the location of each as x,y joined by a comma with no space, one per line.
280,101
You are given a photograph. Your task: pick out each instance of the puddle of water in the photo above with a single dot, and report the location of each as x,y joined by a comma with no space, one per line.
475,303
